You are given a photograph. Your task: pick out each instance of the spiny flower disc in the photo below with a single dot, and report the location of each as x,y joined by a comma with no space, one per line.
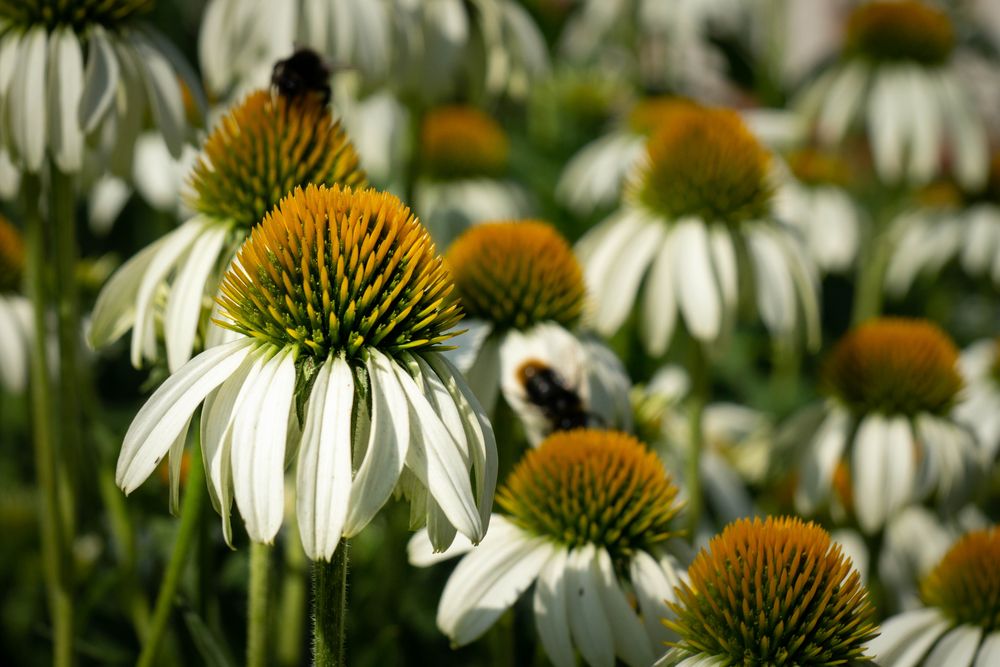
333,270
773,592
652,112
706,163
266,146
11,257
965,585
516,274
462,142
591,486
894,366
890,30
815,168
79,14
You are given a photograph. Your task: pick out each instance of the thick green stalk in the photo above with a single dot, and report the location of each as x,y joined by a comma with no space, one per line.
869,287
257,630
330,609
194,499
54,551
293,605
699,398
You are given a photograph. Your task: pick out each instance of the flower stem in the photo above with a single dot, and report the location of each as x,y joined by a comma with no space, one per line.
194,498
699,398
54,552
260,564
869,286
330,609
292,606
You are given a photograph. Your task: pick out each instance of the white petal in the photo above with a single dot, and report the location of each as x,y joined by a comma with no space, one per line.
100,81
164,415
323,483
28,110
821,460
887,122
775,291
489,581
9,44
868,472
588,621
724,260
841,103
421,553
631,264
659,301
957,648
175,459
468,343
900,467
13,352
654,586
925,140
904,639
600,266
387,445
699,297
114,312
164,93
258,451
970,146
65,90
484,374
989,652
551,612
631,642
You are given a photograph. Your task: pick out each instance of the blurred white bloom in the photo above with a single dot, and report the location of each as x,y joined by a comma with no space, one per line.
297,383
793,38
602,578
979,408
888,437
168,286
896,76
16,320
704,189
74,74
522,290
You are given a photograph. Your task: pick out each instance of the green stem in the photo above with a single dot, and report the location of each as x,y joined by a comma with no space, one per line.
194,498
123,538
260,564
870,283
293,605
330,609
54,552
699,398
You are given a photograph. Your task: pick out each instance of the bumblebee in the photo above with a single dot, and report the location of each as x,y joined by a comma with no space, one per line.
303,73
558,403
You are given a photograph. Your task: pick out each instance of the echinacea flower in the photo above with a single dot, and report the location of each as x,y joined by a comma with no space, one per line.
266,146
979,408
587,517
89,71
341,305
464,158
888,424
817,201
896,77
771,592
959,623
16,329
704,191
523,293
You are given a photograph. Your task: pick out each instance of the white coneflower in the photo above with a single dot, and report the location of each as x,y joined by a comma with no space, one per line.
587,518
959,623
888,424
523,292
266,146
817,201
896,77
16,328
979,408
704,190
463,173
340,303
772,592
87,71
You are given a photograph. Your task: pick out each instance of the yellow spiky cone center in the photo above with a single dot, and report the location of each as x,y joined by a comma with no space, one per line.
904,30
589,486
11,257
516,274
649,114
335,270
77,14
462,142
773,592
815,168
894,366
262,149
966,583
705,163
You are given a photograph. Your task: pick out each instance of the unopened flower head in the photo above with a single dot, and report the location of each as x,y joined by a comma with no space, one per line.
777,591
895,367
333,271
462,142
517,274
78,14
11,257
900,31
965,585
706,164
265,147
593,487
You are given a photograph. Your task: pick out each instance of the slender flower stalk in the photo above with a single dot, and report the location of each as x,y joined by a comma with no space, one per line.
330,609
257,606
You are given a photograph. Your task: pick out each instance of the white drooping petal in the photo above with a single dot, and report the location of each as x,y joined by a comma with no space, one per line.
165,414
551,607
163,91
989,652
841,102
957,648
594,176
868,472
887,122
659,301
469,343
258,451
775,290
389,437
27,108
489,580
901,468
65,90
588,621
903,640
114,312
323,481
821,460
483,375
421,553
184,305
654,584
175,458
100,80
14,350
970,146
925,139
631,265
726,269
600,261
630,639
698,289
